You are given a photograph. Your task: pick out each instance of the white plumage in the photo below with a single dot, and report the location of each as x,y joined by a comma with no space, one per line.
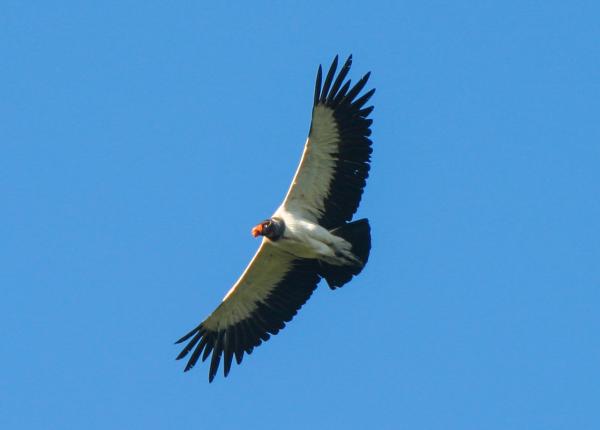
309,237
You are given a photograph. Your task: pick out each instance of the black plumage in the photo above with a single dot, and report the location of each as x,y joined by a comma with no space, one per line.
354,153
268,318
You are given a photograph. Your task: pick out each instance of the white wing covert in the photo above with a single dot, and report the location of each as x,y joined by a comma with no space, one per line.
268,294
335,164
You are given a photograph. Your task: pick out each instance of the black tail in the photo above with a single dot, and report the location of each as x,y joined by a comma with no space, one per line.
358,233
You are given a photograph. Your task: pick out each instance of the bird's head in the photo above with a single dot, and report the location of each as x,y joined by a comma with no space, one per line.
271,228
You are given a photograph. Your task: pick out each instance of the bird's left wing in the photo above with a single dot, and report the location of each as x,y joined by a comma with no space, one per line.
267,295
329,182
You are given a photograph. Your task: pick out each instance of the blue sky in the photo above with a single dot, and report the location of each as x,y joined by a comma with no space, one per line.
140,141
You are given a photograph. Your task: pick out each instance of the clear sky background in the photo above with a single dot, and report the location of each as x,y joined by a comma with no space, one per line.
140,142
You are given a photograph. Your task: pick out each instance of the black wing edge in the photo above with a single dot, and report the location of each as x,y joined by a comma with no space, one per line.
267,319
354,154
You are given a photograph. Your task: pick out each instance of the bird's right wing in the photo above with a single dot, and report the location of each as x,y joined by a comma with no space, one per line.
268,294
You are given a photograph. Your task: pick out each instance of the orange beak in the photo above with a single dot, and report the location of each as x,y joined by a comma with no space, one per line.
257,231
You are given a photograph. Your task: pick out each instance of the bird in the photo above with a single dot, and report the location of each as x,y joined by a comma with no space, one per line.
310,237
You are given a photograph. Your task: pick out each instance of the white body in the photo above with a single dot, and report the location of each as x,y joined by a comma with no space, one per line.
306,239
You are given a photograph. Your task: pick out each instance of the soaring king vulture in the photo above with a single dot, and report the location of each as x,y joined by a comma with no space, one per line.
309,237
